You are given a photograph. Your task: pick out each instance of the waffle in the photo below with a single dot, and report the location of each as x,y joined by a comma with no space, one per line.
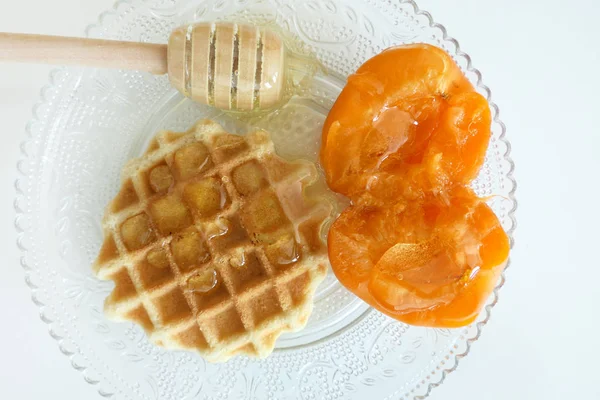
214,243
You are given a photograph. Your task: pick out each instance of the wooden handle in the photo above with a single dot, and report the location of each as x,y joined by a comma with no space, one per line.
18,47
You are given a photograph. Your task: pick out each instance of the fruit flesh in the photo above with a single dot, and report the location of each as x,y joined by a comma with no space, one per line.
403,141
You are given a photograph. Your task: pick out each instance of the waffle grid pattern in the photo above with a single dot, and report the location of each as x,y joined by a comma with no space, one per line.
184,266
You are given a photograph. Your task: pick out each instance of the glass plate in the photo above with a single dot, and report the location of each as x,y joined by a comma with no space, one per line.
89,122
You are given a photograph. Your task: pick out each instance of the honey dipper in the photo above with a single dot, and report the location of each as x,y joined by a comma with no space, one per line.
226,65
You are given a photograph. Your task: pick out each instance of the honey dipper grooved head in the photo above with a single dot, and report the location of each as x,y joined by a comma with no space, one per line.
227,65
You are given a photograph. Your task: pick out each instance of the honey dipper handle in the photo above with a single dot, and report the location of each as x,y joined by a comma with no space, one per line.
18,47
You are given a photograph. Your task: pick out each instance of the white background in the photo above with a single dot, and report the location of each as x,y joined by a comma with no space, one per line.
542,62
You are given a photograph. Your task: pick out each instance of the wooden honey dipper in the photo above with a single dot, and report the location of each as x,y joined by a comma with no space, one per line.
226,65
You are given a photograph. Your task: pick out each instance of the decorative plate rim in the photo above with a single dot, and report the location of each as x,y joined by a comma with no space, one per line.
21,214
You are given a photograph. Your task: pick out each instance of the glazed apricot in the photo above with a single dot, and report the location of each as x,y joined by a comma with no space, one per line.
388,112
403,141
419,261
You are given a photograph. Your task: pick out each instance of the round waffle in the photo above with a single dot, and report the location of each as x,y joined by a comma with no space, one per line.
213,243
